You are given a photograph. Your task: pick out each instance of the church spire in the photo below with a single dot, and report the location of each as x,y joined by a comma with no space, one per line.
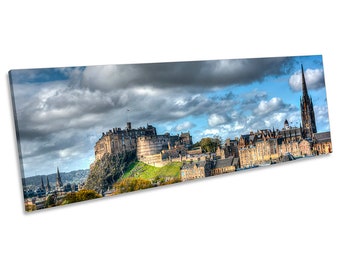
42,183
304,85
58,183
48,187
307,110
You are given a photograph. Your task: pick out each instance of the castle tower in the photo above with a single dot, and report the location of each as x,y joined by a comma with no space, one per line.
58,183
307,110
48,187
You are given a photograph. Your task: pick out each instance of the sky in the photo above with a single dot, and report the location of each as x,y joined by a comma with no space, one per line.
60,113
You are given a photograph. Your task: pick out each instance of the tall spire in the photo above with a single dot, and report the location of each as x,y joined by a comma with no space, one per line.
58,183
307,110
42,183
48,187
304,85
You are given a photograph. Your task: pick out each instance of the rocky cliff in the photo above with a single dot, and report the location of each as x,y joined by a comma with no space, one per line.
107,170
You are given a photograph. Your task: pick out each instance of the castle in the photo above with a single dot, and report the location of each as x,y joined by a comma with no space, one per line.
265,146
150,147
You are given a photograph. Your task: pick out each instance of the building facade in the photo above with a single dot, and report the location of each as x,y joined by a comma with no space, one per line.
195,169
271,146
322,143
117,140
145,141
226,165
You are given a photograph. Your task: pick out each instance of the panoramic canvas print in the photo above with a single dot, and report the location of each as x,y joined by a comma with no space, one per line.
90,132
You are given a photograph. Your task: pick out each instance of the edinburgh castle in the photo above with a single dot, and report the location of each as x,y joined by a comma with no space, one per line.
150,147
257,148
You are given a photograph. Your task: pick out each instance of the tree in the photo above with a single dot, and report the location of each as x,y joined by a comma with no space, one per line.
50,200
210,144
30,208
79,196
131,184
84,195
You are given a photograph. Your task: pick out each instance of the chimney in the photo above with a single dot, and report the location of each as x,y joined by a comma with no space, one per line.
128,126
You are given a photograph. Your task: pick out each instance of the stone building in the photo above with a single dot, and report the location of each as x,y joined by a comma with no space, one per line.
195,151
231,147
305,148
185,139
195,169
322,143
226,165
267,146
208,167
220,152
145,141
151,145
119,140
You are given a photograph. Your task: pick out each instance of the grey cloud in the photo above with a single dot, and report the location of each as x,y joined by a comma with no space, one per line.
192,76
314,80
106,90
253,97
64,116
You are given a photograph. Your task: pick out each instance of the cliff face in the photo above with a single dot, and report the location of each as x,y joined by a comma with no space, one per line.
107,170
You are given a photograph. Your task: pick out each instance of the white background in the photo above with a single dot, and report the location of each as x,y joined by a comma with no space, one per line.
282,217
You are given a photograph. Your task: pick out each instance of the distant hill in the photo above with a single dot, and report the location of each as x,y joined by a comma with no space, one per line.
66,177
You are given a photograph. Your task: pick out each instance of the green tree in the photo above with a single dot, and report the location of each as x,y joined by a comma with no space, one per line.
79,196
50,200
131,184
210,144
84,195
30,208
196,144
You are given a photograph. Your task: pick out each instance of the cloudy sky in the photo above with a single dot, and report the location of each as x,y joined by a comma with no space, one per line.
62,112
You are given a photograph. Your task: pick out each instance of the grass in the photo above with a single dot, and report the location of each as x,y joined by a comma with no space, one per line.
141,170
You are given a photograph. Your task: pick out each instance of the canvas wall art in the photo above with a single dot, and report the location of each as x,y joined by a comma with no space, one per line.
90,132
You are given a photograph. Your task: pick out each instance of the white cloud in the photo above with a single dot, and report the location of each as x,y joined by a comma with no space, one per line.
314,80
322,120
185,126
266,107
210,132
215,120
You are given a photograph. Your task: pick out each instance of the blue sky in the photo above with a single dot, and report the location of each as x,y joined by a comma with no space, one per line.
62,112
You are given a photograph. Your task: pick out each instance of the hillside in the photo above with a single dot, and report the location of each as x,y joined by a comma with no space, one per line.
106,171
77,176
141,170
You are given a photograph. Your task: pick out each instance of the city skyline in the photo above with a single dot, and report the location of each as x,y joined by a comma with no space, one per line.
62,112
